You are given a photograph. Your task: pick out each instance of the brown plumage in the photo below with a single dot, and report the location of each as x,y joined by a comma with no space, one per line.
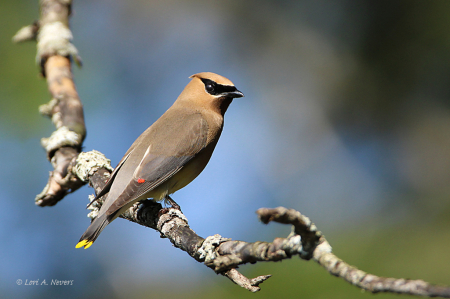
170,153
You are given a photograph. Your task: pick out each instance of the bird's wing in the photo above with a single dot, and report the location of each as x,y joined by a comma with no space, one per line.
166,149
108,184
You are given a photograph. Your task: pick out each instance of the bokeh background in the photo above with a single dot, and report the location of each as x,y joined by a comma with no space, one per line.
346,118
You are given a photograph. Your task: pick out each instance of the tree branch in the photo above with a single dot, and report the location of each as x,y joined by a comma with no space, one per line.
315,243
73,169
54,53
94,167
225,255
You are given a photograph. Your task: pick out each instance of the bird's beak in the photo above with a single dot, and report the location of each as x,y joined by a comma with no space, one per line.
234,94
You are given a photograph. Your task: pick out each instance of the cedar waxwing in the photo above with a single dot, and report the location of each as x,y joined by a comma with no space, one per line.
170,153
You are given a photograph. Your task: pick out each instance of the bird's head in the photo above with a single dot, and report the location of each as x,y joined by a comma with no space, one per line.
211,90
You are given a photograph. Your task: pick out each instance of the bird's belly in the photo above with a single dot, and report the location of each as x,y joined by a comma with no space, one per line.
186,174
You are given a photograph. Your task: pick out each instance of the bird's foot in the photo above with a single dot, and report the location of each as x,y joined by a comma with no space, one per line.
173,204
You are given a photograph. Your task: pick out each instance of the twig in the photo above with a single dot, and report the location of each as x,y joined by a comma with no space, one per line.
322,255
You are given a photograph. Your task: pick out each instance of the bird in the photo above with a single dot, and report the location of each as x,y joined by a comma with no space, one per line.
171,153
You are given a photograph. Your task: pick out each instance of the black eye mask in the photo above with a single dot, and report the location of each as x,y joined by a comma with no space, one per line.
214,88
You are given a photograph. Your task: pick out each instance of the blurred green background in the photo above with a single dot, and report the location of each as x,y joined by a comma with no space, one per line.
346,119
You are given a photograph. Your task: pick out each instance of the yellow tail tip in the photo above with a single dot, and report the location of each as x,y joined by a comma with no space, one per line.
84,243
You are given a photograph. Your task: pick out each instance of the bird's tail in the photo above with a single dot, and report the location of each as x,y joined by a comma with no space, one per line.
93,231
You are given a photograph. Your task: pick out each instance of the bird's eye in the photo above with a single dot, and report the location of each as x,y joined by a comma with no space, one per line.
209,88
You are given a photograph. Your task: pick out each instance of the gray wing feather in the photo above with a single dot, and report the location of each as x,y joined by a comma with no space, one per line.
155,167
